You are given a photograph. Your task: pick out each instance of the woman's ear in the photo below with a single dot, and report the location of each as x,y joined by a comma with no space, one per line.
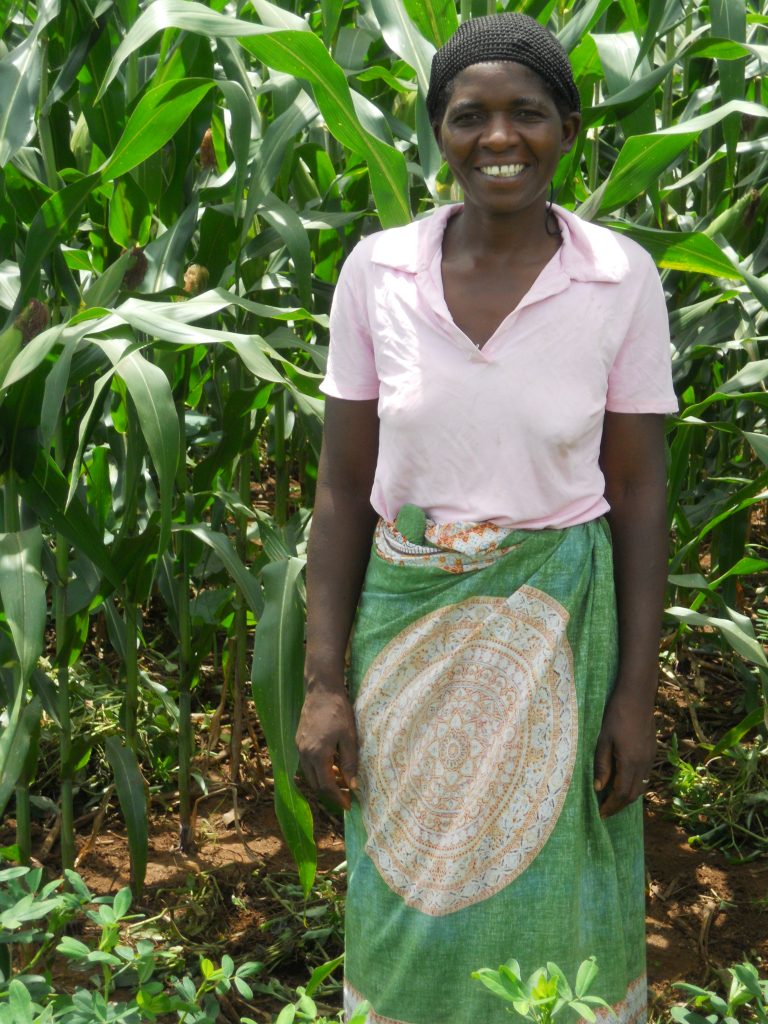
571,126
437,132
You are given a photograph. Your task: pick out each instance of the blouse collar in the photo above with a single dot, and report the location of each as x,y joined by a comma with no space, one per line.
588,252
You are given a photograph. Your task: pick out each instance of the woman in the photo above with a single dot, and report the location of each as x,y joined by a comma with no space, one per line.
496,386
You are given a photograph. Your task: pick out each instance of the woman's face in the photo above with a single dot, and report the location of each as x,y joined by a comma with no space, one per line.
502,136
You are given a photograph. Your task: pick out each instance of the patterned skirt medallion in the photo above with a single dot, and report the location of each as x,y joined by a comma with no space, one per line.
468,725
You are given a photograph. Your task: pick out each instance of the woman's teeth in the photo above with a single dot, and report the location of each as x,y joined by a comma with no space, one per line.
502,170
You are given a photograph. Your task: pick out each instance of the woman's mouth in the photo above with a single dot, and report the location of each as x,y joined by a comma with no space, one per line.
502,170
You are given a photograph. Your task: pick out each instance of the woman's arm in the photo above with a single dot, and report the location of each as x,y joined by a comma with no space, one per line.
633,462
339,548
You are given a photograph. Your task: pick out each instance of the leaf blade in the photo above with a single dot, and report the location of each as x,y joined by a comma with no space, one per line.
22,591
277,678
129,784
158,116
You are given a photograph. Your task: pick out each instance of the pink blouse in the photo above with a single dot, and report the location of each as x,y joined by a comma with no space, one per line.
511,433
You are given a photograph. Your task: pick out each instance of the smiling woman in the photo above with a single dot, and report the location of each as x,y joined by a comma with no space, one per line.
501,123
497,379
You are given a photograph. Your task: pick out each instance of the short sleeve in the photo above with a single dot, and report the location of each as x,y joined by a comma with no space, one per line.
640,380
351,371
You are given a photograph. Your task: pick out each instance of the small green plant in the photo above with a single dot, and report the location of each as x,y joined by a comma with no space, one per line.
35,915
546,992
746,1000
721,803
20,1008
305,1010
33,912
199,1001
303,927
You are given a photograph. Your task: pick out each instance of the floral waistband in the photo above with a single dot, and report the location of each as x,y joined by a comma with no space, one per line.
414,539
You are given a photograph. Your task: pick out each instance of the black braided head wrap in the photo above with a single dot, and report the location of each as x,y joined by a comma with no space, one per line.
502,37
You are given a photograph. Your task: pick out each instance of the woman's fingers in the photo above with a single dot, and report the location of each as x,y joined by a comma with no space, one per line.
628,784
624,755
348,758
308,772
318,764
327,746
328,779
620,794
603,763
625,780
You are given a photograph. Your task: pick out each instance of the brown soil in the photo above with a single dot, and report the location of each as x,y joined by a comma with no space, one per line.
706,910
220,851
704,913
226,896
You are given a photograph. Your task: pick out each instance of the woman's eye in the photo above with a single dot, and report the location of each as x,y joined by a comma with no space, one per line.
469,117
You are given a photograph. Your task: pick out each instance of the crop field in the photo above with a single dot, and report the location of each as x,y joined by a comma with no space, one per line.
180,182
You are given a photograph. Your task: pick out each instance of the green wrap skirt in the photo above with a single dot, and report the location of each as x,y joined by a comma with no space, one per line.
481,662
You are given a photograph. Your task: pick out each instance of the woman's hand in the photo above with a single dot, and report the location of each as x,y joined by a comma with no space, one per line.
633,463
327,743
625,751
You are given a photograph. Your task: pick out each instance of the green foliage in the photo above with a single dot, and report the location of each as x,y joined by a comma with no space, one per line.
546,993
305,1008
278,691
130,790
746,999
722,802
300,928
34,915
178,188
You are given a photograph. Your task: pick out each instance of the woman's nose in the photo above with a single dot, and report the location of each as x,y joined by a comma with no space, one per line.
500,132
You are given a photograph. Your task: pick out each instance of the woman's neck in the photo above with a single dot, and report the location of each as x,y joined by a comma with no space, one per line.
519,237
